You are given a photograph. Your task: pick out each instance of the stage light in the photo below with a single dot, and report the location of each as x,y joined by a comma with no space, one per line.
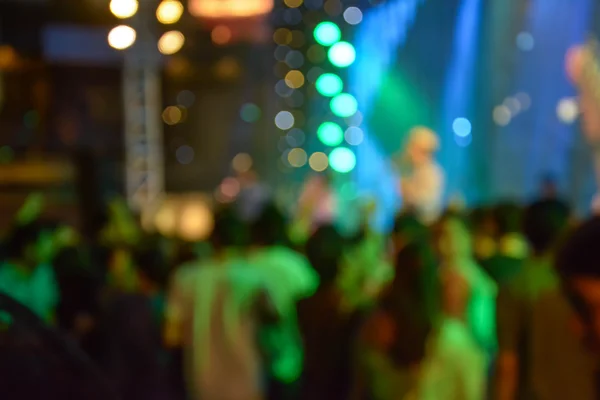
250,112
513,104
329,85
121,37
330,134
242,162
344,105
353,15
524,100
172,115
296,137
220,9
461,127
171,42
354,136
294,59
184,154
567,110
318,162
297,157
502,115
284,120
342,54
294,79
342,160
293,3
525,41
327,33
282,36
221,35
123,8
169,11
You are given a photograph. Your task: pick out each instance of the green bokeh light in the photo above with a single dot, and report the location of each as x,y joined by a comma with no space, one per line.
342,54
327,33
342,159
344,105
250,112
330,134
329,85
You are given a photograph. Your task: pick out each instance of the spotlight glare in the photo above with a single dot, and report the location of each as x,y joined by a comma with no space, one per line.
461,127
284,120
171,42
567,110
121,37
169,11
318,162
344,105
342,54
353,15
342,160
327,33
330,134
329,85
502,115
123,8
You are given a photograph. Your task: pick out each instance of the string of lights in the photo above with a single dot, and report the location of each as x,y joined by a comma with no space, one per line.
315,74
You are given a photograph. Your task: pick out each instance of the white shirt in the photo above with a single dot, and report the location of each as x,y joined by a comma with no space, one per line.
454,367
424,190
214,301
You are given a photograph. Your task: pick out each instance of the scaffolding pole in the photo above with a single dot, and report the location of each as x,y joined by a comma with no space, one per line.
144,166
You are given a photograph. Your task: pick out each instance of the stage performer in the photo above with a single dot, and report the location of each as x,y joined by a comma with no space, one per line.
421,178
317,206
583,68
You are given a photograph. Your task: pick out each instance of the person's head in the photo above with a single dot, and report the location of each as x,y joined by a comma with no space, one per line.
578,264
412,302
324,250
270,228
421,146
454,238
407,229
544,223
24,244
549,187
507,217
151,267
229,230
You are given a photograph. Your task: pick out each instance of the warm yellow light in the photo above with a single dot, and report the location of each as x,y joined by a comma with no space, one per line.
123,8
229,8
297,157
172,115
282,36
293,3
166,220
242,162
169,11
227,68
121,37
221,34
196,222
318,161
294,79
171,42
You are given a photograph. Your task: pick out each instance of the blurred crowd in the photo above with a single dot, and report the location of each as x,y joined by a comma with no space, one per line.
498,302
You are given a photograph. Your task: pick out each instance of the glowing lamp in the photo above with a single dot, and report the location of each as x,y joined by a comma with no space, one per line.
121,37
247,20
342,160
230,8
330,134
